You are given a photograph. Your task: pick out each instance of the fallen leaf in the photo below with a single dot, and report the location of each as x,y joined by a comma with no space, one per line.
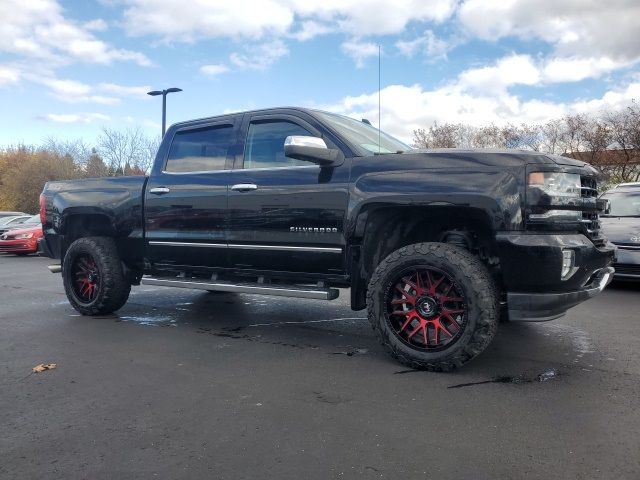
43,367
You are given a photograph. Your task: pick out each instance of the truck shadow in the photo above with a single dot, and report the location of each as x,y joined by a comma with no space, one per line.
519,349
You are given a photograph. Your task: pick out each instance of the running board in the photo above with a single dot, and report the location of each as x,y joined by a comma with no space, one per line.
253,288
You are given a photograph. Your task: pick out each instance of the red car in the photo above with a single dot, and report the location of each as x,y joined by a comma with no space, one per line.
23,240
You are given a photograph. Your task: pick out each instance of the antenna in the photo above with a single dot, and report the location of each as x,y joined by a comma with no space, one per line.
379,90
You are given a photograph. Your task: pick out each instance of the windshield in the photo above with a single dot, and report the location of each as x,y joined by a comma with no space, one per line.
363,136
623,204
35,220
8,220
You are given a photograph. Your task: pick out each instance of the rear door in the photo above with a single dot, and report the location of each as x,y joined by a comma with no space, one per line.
285,215
186,199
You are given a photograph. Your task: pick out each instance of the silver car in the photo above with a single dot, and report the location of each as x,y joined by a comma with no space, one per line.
621,224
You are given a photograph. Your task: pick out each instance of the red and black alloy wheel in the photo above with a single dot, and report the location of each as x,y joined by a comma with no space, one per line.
426,309
86,278
93,276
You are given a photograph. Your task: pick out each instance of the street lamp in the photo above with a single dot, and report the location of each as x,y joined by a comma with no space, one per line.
164,103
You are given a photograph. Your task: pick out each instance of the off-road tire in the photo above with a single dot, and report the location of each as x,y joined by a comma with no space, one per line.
113,287
468,273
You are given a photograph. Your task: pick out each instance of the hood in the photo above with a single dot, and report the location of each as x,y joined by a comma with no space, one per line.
35,229
461,158
572,162
622,230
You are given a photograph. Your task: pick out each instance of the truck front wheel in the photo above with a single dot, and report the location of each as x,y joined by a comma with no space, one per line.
433,306
93,277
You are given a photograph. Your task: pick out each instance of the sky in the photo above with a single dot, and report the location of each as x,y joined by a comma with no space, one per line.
69,68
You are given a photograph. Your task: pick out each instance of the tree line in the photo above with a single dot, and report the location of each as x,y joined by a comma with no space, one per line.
609,140
24,169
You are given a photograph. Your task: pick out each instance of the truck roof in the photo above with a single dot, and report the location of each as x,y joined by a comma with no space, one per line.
242,112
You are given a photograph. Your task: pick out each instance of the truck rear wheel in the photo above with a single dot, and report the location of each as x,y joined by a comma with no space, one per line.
93,277
433,306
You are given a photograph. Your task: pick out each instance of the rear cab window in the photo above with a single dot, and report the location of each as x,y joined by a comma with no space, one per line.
203,149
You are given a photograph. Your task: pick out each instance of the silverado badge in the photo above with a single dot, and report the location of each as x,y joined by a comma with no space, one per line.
314,229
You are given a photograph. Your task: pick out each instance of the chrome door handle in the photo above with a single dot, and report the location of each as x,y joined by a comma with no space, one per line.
159,190
244,187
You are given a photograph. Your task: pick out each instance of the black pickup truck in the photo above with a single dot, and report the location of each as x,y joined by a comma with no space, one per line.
436,244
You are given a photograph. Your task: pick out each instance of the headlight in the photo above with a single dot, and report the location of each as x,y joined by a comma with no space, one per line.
546,190
23,236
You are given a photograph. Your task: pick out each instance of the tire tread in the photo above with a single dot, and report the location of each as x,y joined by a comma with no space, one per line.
116,288
476,274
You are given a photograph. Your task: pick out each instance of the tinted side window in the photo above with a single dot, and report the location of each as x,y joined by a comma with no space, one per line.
265,144
204,149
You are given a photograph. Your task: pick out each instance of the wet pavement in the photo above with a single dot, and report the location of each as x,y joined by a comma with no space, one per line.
190,384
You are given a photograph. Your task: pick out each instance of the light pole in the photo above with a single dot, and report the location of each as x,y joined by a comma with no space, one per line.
164,103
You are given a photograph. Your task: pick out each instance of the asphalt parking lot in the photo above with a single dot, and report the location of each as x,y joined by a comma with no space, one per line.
188,384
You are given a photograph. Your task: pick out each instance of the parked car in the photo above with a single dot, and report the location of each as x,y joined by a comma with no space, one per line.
622,225
22,240
297,202
11,214
8,223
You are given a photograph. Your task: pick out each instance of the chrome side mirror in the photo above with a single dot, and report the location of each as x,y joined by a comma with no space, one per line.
305,141
312,149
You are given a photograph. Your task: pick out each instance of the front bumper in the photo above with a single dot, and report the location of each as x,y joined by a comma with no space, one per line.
18,246
628,263
540,307
531,267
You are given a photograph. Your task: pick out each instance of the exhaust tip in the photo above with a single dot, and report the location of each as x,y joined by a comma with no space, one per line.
55,268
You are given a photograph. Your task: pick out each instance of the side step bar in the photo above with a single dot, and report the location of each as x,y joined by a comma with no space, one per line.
55,268
253,288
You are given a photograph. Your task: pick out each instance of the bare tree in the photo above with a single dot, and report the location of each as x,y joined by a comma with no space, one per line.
447,135
77,149
121,149
151,145
624,126
490,136
95,166
551,134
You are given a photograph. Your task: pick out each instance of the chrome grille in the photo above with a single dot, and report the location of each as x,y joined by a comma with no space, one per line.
590,219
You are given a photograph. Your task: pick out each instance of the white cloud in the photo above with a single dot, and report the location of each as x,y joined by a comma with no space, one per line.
574,69
574,27
171,21
137,91
76,117
359,51
259,57
409,107
38,29
97,25
72,91
512,70
214,70
614,99
429,45
373,17
524,70
310,29
8,75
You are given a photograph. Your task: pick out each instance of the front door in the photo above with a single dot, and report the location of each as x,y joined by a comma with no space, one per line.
186,200
285,215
